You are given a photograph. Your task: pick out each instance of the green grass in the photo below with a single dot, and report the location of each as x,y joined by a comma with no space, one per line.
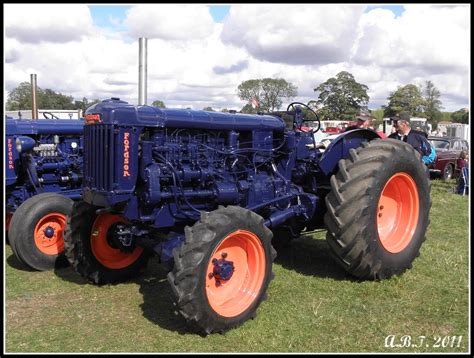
313,305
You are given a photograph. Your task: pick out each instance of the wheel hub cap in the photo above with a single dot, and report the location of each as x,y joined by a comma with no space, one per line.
223,269
104,251
49,232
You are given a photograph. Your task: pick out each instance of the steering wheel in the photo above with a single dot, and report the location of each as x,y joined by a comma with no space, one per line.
52,115
292,104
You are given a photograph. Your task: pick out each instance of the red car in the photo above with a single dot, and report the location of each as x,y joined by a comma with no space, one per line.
448,163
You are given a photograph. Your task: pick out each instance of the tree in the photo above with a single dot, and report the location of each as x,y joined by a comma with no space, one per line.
209,109
432,103
49,99
377,114
460,116
248,109
84,104
407,98
159,104
313,104
20,99
268,92
341,96
446,116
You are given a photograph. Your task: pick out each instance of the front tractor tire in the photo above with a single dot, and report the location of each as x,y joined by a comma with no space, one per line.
222,270
378,209
36,231
93,254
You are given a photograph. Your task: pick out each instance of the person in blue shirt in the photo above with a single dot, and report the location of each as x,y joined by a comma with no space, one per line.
404,132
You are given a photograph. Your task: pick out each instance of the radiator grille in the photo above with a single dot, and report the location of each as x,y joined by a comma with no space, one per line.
99,156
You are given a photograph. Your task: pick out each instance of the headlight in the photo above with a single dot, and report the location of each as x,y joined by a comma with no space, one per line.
18,145
24,144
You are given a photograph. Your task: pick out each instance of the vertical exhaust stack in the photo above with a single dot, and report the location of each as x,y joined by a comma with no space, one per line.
34,106
142,70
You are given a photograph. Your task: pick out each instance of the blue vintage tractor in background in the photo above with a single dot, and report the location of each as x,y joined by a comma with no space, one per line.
205,190
43,175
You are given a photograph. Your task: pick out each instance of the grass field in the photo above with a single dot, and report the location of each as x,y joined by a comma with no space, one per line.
312,306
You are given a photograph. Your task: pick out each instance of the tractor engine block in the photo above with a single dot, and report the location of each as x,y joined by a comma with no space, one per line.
164,167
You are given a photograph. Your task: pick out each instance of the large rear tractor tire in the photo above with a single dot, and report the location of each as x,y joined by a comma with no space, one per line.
36,231
222,270
378,209
91,252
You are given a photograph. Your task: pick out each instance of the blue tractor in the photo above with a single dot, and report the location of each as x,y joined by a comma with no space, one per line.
43,175
205,191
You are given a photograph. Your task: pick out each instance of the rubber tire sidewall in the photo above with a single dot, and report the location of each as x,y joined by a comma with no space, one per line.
224,322
365,174
22,229
189,275
79,251
394,263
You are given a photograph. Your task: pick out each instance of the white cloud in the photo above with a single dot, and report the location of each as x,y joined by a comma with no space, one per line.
188,71
430,38
79,69
424,43
381,51
59,23
170,21
294,34
11,50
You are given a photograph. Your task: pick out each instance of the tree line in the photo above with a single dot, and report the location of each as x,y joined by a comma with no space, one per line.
341,97
20,99
338,98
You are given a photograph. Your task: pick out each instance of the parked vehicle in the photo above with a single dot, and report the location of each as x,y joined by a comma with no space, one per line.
43,175
341,127
458,130
448,164
205,190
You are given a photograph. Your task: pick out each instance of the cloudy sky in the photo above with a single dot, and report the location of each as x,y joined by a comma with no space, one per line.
199,54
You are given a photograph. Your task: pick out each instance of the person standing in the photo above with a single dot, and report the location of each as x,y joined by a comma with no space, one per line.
405,133
364,120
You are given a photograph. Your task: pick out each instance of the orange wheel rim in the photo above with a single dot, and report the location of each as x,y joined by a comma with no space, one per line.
398,212
231,297
107,255
48,234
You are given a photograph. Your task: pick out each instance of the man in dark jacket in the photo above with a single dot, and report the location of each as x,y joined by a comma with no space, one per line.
413,137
